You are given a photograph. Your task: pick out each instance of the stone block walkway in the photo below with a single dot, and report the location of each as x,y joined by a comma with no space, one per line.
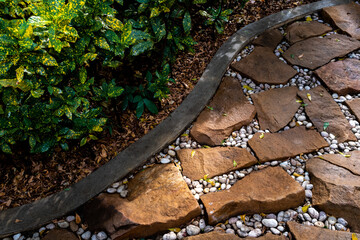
276,153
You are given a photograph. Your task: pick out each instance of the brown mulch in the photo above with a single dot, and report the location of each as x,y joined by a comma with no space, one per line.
28,178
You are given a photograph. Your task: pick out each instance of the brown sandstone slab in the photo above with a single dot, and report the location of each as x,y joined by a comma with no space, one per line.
336,183
289,143
315,52
60,234
228,110
342,77
263,66
265,191
299,31
346,17
268,236
354,106
270,38
322,108
213,161
158,199
302,232
276,107
214,235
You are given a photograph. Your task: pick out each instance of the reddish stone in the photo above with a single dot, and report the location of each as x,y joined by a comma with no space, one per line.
321,109
354,106
270,38
346,17
228,110
264,191
342,77
336,181
158,199
299,31
213,161
213,236
60,234
315,52
286,144
263,66
302,232
276,107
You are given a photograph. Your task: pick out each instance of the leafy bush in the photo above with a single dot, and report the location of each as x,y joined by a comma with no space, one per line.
50,92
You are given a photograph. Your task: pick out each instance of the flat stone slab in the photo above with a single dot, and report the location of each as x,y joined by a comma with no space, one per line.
276,107
342,77
286,144
315,52
321,109
229,110
60,234
302,232
213,161
346,17
354,105
336,181
299,31
263,66
270,38
268,236
158,199
214,235
265,191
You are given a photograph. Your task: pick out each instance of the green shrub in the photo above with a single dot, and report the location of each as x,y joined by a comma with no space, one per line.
49,49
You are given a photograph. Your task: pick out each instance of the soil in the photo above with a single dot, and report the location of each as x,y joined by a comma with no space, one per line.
24,179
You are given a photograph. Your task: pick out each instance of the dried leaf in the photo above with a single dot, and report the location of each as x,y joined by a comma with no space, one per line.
345,155
326,124
248,88
297,175
234,163
77,218
301,55
184,135
308,19
305,208
224,114
193,153
308,96
176,230
242,217
263,214
354,237
18,220
261,136
321,157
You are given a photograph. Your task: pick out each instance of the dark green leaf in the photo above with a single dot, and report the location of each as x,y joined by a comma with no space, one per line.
187,22
83,141
139,109
151,106
141,48
32,141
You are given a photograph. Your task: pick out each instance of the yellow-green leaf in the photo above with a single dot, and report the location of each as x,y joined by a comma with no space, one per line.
248,88
102,43
206,177
234,163
114,23
20,73
299,101
308,96
354,237
345,155
242,217
308,19
48,60
262,135
193,153
305,208
154,12
68,113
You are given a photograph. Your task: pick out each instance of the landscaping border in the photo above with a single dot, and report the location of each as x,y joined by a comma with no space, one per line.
33,215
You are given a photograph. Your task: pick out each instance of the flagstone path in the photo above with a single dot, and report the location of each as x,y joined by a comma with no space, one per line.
274,155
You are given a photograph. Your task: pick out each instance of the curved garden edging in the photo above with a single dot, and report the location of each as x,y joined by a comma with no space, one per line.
33,215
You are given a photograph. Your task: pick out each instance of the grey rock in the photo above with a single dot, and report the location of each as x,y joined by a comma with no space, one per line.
192,230
270,223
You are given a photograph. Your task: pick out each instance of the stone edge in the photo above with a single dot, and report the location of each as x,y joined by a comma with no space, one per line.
33,215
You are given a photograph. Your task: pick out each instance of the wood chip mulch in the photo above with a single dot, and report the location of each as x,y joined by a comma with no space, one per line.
24,179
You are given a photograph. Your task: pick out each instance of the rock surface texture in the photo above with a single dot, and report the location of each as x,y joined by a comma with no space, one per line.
213,161
268,236
275,108
354,106
315,52
263,66
336,181
323,109
346,17
267,190
302,232
158,199
289,143
299,31
214,235
270,38
60,234
342,77
218,120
